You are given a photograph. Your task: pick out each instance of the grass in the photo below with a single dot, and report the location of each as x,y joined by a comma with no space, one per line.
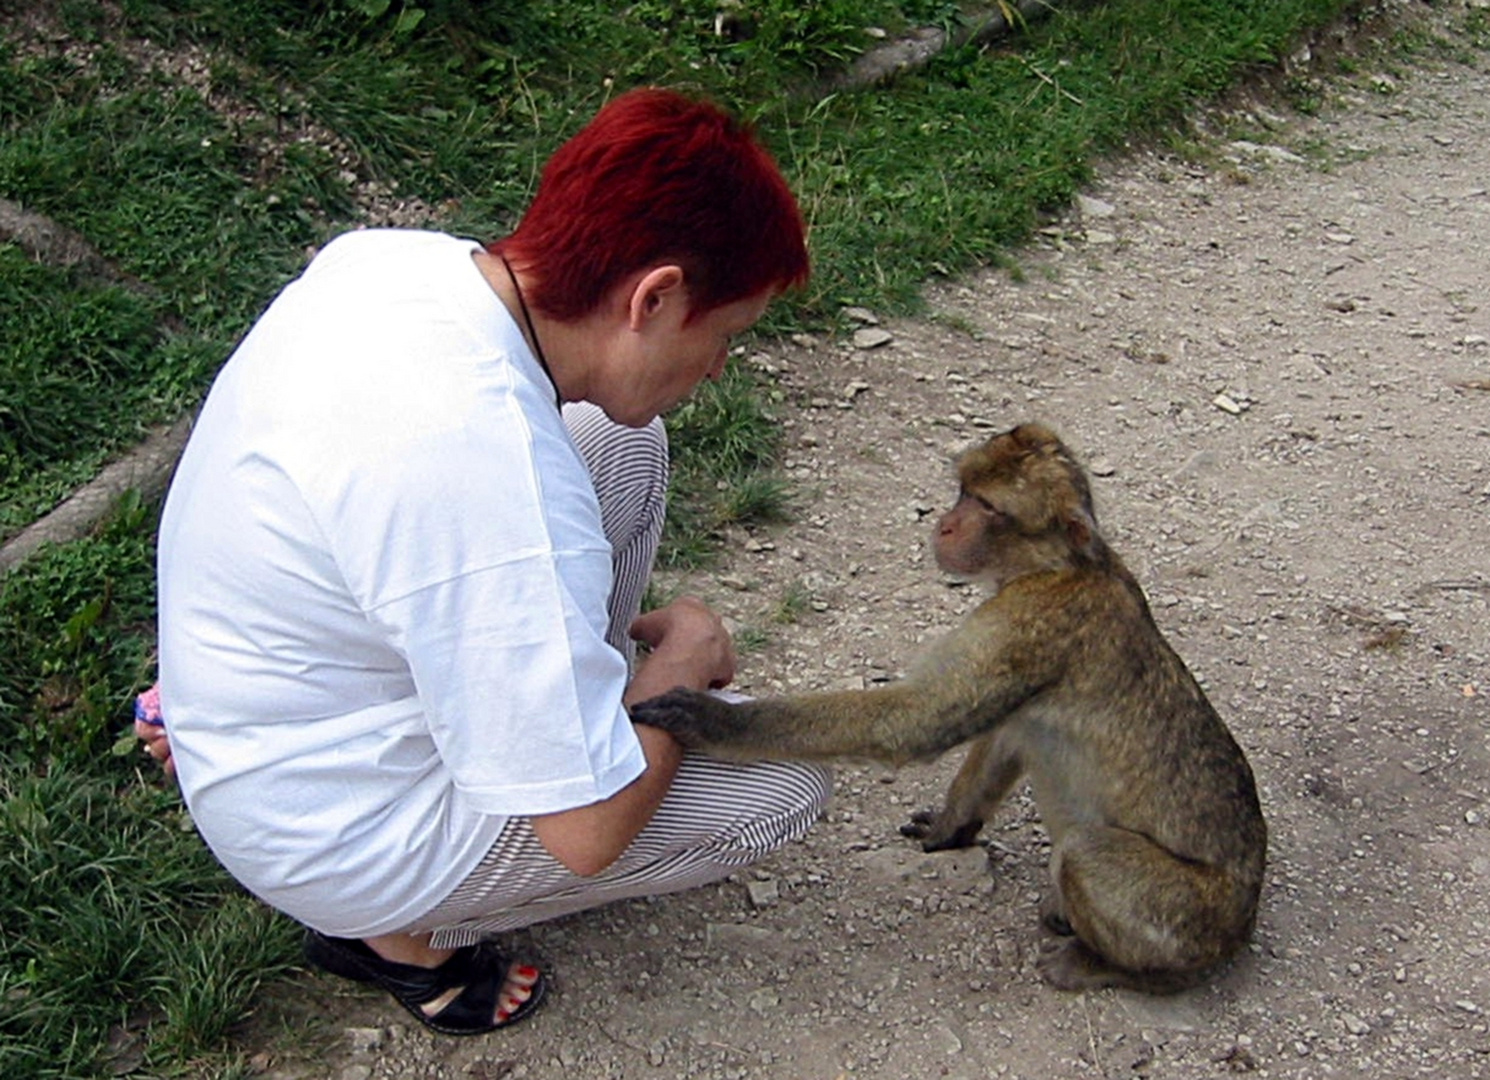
795,599
725,475
124,946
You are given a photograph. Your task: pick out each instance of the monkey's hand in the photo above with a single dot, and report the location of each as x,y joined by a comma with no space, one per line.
696,719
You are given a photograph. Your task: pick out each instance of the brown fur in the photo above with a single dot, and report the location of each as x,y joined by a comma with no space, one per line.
1060,675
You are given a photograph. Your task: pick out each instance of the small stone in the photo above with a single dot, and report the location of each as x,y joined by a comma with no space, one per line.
872,337
1256,150
1355,1025
861,315
364,1040
763,894
737,937
1200,462
1101,467
764,1001
940,1038
1094,208
1227,404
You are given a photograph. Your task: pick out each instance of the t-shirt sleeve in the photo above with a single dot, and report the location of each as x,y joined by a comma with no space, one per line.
474,544
520,691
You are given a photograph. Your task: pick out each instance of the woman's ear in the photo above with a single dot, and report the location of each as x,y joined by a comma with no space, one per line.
654,290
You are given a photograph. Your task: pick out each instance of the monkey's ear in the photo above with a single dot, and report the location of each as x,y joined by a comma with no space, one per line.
1080,532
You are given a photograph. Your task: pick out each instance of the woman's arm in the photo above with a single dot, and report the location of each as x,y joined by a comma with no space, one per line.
689,646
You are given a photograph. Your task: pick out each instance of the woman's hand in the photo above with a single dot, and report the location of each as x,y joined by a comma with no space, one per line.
157,744
689,646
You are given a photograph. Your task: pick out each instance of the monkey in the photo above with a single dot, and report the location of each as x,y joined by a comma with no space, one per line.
1061,675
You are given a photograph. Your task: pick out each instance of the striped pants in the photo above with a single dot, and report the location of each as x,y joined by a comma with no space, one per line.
717,816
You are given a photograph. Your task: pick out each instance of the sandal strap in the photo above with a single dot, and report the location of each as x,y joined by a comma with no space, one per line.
479,970
482,974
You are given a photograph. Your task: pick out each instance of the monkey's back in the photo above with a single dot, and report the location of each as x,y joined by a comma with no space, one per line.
1140,746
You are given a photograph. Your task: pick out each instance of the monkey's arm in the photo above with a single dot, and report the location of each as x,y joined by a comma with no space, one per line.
917,718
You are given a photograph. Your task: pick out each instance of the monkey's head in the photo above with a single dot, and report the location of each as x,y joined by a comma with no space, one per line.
1024,506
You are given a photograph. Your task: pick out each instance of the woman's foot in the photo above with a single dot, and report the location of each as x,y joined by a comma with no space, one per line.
466,991
416,951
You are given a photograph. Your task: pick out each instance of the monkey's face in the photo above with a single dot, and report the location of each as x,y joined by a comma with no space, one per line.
963,540
1023,500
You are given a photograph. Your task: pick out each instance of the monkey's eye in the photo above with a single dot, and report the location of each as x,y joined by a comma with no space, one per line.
997,519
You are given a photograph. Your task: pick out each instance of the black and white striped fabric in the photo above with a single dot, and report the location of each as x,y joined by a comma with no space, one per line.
717,817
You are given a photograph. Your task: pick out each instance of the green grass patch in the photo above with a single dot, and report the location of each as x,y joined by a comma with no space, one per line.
121,931
78,625
723,467
86,368
124,941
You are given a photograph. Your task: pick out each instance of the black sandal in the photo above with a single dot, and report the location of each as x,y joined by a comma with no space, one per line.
479,971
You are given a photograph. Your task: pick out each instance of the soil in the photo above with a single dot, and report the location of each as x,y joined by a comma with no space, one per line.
1272,353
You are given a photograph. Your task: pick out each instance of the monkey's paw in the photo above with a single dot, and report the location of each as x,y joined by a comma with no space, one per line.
693,717
936,834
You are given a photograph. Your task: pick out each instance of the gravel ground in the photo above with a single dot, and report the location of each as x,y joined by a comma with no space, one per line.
1273,356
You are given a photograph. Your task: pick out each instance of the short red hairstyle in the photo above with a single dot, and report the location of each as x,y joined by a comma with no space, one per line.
654,178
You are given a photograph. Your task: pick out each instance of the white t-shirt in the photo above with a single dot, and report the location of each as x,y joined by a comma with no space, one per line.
383,586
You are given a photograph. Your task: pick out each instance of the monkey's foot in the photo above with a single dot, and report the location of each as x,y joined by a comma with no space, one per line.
927,826
1071,965
1053,916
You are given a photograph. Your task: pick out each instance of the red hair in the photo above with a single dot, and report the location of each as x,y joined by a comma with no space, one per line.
658,178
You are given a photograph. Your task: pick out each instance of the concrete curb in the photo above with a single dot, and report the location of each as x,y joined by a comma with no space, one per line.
147,468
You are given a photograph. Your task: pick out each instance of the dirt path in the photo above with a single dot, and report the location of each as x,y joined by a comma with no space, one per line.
1277,364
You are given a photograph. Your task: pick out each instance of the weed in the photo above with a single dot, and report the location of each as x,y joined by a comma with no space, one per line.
794,600
751,639
961,323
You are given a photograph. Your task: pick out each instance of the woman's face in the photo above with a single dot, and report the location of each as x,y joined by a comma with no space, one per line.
675,354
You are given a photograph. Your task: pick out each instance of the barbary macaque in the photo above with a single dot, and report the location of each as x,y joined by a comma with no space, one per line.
1061,675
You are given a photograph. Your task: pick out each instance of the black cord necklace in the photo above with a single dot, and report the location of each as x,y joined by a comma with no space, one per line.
533,333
